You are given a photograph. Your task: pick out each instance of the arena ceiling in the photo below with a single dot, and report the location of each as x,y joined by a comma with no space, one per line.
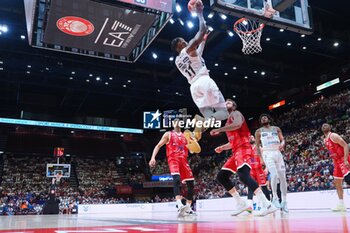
65,85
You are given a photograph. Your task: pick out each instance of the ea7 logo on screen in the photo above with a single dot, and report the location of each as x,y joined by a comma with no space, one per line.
119,35
151,120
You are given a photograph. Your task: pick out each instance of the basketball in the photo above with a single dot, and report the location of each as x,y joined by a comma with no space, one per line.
192,5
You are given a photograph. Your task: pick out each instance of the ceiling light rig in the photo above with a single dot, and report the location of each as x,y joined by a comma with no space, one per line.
224,17
181,22
190,24
178,8
4,28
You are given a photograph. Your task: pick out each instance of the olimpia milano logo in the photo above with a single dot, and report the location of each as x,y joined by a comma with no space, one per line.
75,26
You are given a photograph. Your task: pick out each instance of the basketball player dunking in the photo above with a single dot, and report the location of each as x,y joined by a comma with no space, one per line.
238,135
177,153
339,152
205,93
272,141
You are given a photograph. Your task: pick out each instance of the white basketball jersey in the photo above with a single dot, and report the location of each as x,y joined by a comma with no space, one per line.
269,138
191,67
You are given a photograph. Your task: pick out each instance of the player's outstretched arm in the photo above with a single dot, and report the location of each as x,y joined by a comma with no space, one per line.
220,149
237,122
201,46
162,142
195,42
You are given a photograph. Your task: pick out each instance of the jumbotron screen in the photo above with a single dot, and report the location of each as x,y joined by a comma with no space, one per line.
164,5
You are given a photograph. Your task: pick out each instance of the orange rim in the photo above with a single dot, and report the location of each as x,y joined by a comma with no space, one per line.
260,28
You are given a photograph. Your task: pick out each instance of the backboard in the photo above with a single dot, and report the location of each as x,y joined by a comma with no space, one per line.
53,169
293,15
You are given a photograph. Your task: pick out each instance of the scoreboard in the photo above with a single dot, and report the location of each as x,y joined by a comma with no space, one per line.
161,5
118,30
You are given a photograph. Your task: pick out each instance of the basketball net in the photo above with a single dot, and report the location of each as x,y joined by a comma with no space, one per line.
250,33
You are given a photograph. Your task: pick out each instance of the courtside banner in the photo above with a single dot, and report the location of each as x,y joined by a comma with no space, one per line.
95,26
123,189
158,184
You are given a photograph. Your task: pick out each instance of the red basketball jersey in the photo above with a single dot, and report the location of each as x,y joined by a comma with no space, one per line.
255,161
239,137
335,150
176,147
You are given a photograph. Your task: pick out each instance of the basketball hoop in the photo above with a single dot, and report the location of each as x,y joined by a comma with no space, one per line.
250,33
